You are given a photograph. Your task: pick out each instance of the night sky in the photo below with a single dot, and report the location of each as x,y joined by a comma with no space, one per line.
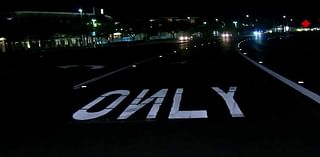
172,7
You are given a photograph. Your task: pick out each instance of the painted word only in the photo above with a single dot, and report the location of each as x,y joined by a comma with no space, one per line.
157,98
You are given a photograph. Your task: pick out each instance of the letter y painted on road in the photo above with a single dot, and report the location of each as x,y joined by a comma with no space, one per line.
233,107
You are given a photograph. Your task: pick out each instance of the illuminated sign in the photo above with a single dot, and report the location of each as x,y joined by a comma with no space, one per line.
157,99
305,23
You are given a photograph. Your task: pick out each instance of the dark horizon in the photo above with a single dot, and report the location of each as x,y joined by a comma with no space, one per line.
171,8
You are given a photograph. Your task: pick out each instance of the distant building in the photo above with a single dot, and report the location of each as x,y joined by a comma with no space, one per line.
42,29
29,30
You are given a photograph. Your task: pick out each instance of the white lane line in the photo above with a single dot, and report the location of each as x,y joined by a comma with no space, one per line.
68,66
288,82
85,83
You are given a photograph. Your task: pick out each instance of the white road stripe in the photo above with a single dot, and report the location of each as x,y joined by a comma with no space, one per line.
288,82
78,86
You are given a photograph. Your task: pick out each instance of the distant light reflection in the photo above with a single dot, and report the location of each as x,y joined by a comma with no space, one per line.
226,40
258,36
183,46
225,37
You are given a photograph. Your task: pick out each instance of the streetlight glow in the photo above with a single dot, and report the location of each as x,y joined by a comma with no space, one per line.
286,28
235,23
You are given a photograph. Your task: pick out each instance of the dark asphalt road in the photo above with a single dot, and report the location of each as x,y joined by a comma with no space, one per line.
295,57
264,117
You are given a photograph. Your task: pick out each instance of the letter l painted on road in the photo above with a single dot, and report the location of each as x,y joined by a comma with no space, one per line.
175,112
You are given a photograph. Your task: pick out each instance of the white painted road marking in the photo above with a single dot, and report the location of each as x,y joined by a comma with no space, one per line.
233,107
78,86
83,113
67,66
175,112
92,67
158,98
100,77
136,104
313,96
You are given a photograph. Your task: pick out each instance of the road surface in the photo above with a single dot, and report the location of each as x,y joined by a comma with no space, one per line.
202,98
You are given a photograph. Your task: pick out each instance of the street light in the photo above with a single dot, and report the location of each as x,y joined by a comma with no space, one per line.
94,22
81,11
247,16
286,27
235,23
